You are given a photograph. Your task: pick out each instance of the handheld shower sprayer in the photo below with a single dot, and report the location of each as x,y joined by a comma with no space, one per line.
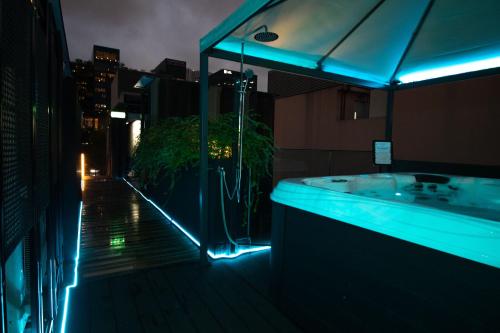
264,36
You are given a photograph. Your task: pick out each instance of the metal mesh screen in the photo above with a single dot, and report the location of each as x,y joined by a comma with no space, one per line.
15,125
55,71
41,181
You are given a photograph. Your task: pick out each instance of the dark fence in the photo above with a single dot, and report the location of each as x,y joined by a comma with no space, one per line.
299,163
16,90
39,143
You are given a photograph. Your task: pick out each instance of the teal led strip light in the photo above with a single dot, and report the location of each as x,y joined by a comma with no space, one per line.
193,239
461,68
75,278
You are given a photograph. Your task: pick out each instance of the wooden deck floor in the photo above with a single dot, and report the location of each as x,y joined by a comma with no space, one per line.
179,298
227,296
122,232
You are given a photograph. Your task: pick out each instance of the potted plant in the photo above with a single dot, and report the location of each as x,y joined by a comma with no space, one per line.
166,164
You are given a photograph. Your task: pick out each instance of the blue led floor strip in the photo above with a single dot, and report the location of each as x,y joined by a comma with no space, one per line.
243,250
194,240
75,279
184,231
238,253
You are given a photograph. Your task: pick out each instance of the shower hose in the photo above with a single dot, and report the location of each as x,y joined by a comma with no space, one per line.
223,184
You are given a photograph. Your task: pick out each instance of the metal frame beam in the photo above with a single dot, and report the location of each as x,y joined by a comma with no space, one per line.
266,7
412,39
3,288
317,73
217,41
388,116
271,5
203,195
354,28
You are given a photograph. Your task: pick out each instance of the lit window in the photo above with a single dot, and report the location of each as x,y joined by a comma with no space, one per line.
354,104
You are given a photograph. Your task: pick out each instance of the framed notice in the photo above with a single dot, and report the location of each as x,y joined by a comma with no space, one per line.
382,152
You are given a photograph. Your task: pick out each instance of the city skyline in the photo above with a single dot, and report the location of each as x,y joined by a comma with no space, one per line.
163,29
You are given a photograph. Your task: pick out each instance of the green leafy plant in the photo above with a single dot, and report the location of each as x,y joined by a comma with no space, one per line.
166,149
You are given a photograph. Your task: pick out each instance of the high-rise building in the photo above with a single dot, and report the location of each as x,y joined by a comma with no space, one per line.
192,75
93,80
125,95
172,68
83,74
227,78
106,62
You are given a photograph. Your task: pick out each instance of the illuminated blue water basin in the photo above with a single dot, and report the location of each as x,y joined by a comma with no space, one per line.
456,215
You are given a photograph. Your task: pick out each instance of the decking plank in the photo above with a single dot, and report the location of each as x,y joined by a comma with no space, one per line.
102,315
178,319
121,232
124,307
151,316
215,276
260,304
154,282
201,317
223,313
79,312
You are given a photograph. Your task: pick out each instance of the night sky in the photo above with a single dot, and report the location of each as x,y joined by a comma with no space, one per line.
147,31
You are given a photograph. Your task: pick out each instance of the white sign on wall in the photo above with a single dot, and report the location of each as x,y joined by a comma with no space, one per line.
382,152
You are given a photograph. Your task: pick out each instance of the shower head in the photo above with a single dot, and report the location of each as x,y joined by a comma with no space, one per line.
266,36
249,74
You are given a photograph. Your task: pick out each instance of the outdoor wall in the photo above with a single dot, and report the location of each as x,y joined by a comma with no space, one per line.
311,121
449,123
311,140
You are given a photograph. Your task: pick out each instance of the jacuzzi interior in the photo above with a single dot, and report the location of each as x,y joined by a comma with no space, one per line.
464,195
349,251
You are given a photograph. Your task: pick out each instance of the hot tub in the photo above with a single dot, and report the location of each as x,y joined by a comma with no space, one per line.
388,251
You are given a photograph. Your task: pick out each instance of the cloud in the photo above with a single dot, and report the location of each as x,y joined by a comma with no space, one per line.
147,31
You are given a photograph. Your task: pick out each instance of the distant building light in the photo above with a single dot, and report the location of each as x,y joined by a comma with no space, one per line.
118,114
136,133
227,72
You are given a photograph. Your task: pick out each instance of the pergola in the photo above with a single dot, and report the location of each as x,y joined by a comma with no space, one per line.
384,44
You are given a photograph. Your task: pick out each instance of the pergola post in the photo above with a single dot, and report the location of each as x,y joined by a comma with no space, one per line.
203,196
389,119
388,116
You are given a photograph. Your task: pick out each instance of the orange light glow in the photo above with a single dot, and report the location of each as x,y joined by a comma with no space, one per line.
82,170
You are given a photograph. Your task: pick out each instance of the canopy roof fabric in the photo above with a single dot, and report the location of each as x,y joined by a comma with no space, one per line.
379,42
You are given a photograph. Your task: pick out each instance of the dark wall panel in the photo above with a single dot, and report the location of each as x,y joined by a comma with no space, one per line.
16,122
